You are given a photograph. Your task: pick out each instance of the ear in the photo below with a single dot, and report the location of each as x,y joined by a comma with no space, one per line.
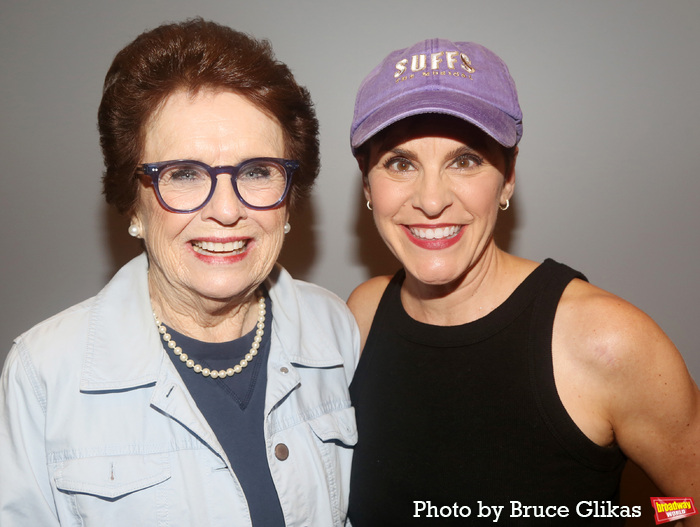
362,165
136,217
366,188
509,184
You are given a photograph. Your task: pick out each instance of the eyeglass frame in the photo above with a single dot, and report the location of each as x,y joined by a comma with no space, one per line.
153,170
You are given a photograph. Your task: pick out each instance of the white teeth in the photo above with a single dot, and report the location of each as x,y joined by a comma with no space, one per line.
435,234
215,247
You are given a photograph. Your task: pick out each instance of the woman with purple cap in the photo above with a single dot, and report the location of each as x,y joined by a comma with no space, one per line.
491,386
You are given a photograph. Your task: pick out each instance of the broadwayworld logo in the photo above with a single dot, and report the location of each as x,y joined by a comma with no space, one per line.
671,509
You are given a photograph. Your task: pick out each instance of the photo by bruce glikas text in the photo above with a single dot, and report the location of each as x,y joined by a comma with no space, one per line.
516,509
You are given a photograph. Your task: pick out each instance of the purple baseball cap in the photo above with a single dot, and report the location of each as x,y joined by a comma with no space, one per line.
462,79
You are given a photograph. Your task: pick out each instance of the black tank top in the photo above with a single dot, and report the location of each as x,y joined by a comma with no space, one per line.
469,416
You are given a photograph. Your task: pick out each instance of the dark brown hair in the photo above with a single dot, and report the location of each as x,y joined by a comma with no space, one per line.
191,56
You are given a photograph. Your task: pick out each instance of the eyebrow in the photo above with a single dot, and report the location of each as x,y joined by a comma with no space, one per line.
408,154
453,154
463,150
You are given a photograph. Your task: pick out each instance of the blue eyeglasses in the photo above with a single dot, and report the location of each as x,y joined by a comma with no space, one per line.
185,186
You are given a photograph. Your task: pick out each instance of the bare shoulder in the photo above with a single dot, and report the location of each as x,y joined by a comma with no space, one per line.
610,329
612,338
617,370
363,302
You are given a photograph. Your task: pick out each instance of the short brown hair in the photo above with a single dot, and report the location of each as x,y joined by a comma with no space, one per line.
194,55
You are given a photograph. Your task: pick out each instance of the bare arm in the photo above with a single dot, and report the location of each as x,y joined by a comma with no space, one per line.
623,381
655,413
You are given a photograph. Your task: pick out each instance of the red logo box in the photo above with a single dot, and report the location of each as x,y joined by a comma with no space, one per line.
672,509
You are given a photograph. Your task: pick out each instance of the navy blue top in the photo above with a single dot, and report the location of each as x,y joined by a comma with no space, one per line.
234,408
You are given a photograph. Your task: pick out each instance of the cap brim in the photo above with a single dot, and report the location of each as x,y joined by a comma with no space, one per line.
494,122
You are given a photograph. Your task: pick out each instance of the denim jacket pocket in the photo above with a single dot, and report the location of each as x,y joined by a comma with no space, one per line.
111,491
337,434
112,477
338,426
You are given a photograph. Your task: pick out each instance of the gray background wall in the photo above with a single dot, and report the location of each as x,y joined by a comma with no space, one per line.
607,175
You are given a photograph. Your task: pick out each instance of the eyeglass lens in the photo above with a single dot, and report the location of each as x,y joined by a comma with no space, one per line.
187,186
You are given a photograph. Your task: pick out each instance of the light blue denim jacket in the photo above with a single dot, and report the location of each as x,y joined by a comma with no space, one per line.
98,429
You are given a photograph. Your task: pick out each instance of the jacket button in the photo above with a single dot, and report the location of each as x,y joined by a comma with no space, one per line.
281,451
284,370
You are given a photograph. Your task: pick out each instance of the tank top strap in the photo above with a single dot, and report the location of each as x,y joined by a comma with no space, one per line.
570,437
387,308
390,302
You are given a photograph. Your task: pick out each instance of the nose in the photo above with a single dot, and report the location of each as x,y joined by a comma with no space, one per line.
432,193
224,206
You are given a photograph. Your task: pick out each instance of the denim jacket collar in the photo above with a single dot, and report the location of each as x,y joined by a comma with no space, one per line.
123,340
295,321
124,348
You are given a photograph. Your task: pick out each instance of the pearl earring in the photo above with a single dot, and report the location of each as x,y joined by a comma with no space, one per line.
134,230
287,228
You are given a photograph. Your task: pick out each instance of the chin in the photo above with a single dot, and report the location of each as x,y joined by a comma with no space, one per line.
223,289
435,277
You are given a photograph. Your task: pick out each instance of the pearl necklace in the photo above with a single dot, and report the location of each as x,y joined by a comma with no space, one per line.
217,374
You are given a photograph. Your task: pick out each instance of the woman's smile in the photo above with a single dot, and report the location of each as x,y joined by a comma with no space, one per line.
434,237
220,248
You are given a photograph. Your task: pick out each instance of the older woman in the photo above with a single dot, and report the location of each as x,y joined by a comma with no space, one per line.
203,385
491,386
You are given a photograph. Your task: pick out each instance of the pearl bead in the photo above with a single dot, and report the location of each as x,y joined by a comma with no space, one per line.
220,374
